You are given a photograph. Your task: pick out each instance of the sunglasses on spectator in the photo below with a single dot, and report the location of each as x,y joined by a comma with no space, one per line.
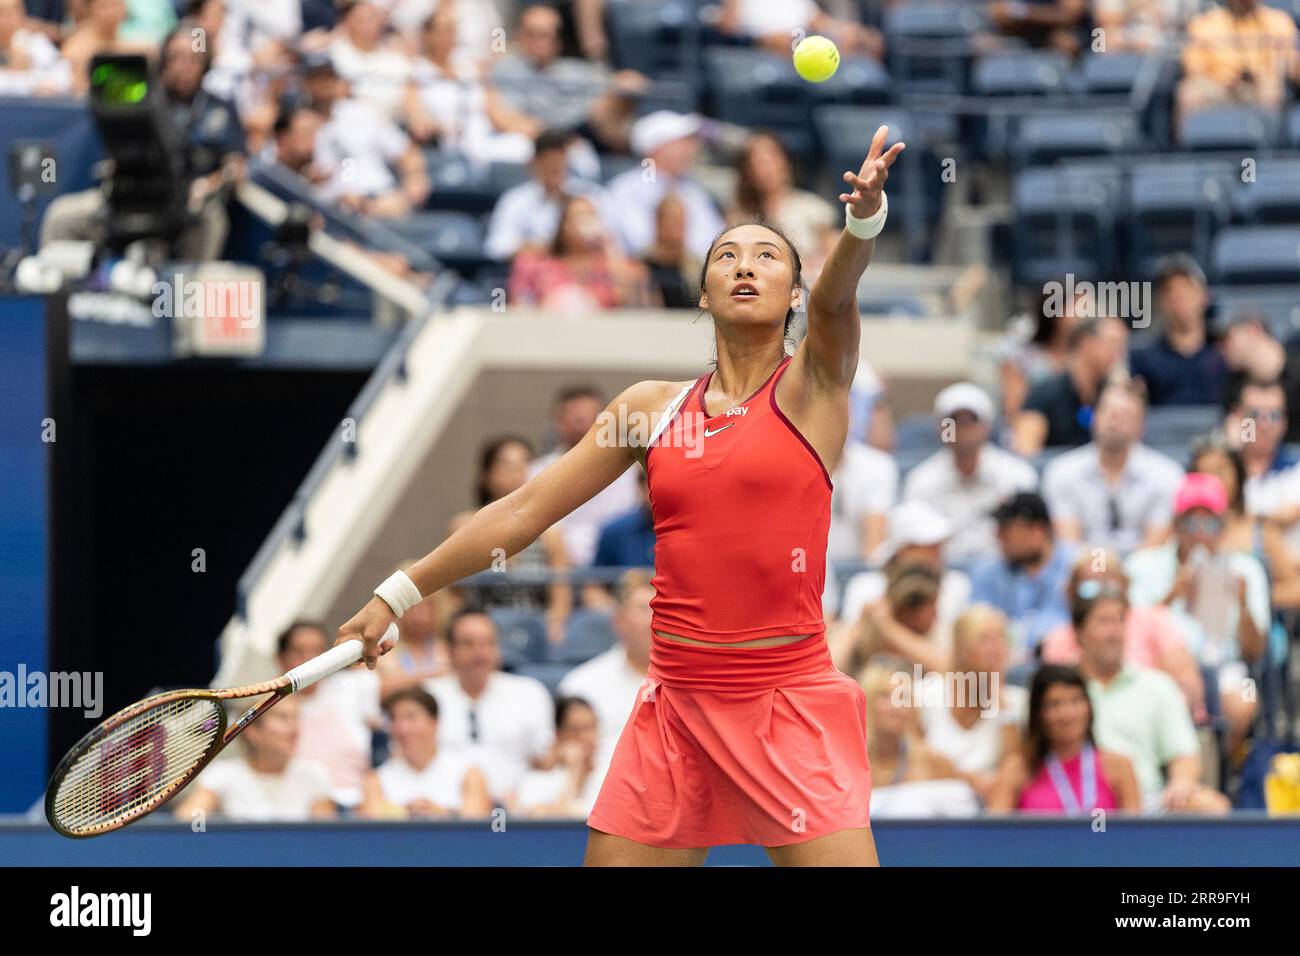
1270,415
1092,589
1204,525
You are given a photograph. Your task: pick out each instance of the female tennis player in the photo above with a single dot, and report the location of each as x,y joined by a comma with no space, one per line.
743,732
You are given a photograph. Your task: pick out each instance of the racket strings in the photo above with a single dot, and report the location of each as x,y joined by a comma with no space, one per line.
123,774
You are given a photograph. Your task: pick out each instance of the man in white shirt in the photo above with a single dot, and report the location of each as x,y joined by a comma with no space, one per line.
969,478
1113,492
669,143
576,410
528,214
503,723
610,681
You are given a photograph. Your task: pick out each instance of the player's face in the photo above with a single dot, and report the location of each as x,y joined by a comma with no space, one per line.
1065,715
749,279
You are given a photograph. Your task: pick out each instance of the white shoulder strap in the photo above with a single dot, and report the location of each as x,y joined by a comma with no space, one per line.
669,411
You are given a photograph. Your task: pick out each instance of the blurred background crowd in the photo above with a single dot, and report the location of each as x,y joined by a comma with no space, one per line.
1105,540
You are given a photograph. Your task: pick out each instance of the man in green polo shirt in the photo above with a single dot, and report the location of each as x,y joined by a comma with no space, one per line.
1140,712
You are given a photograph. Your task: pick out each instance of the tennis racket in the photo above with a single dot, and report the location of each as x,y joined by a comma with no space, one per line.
142,756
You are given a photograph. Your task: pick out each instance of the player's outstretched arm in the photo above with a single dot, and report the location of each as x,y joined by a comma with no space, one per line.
833,325
507,526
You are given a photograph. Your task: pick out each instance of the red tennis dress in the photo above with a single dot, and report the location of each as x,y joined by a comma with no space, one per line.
761,745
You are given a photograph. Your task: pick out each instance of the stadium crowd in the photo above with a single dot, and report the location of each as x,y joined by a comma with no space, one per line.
1047,612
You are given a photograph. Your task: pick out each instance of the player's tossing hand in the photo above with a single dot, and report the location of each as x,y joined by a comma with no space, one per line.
368,626
869,181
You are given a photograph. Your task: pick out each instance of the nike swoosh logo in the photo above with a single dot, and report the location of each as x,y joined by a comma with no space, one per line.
710,434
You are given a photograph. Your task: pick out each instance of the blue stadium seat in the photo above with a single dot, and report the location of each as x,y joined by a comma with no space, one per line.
1174,426
1175,206
1043,139
928,44
858,81
654,37
522,635
1021,73
1065,222
458,183
1110,72
455,238
1229,127
588,633
844,132
1278,306
917,432
753,87
1256,254
1274,195
548,673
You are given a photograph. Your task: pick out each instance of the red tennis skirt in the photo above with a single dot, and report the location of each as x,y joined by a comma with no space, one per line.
759,745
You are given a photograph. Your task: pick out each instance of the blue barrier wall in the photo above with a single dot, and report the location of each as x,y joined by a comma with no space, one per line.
23,587
1241,841
67,128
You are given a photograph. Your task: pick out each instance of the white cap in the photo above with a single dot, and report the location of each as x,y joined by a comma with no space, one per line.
912,522
964,396
662,126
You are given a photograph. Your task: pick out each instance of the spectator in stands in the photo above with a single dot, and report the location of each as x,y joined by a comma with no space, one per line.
100,32
670,141
916,533
864,489
371,166
296,129
969,476
1181,367
582,271
266,780
421,653
372,60
29,63
1253,354
565,92
978,724
674,270
568,790
610,681
629,539
1152,637
765,191
503,469
1240,52
1027,581
576,409
1255,424
420,778
213,154
1219,598
502,723
908,777
1139,25
900,626
773,25
339,714
1036,349
1114,492
451,105
526,215
1259,535
1053,24
1062,769
1140,713
478,26
1058,410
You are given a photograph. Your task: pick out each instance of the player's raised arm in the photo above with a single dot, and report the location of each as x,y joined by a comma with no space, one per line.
833,325
508,525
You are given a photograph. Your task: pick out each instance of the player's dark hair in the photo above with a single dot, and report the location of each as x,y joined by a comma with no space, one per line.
794,258
416,695
1047,677
488,458
282,642
565,704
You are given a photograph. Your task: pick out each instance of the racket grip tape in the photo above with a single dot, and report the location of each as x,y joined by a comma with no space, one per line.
333,660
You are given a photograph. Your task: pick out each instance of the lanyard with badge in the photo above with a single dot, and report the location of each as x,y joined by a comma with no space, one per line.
1061,783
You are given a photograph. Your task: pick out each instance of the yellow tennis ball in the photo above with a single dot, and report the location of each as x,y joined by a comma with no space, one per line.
816,59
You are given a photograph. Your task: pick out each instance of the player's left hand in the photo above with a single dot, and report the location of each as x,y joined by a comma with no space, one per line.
869,182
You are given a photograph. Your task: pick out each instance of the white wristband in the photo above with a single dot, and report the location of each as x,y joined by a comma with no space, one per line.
870,227
399,593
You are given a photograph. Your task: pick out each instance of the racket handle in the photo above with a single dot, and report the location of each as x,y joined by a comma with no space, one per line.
333,660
